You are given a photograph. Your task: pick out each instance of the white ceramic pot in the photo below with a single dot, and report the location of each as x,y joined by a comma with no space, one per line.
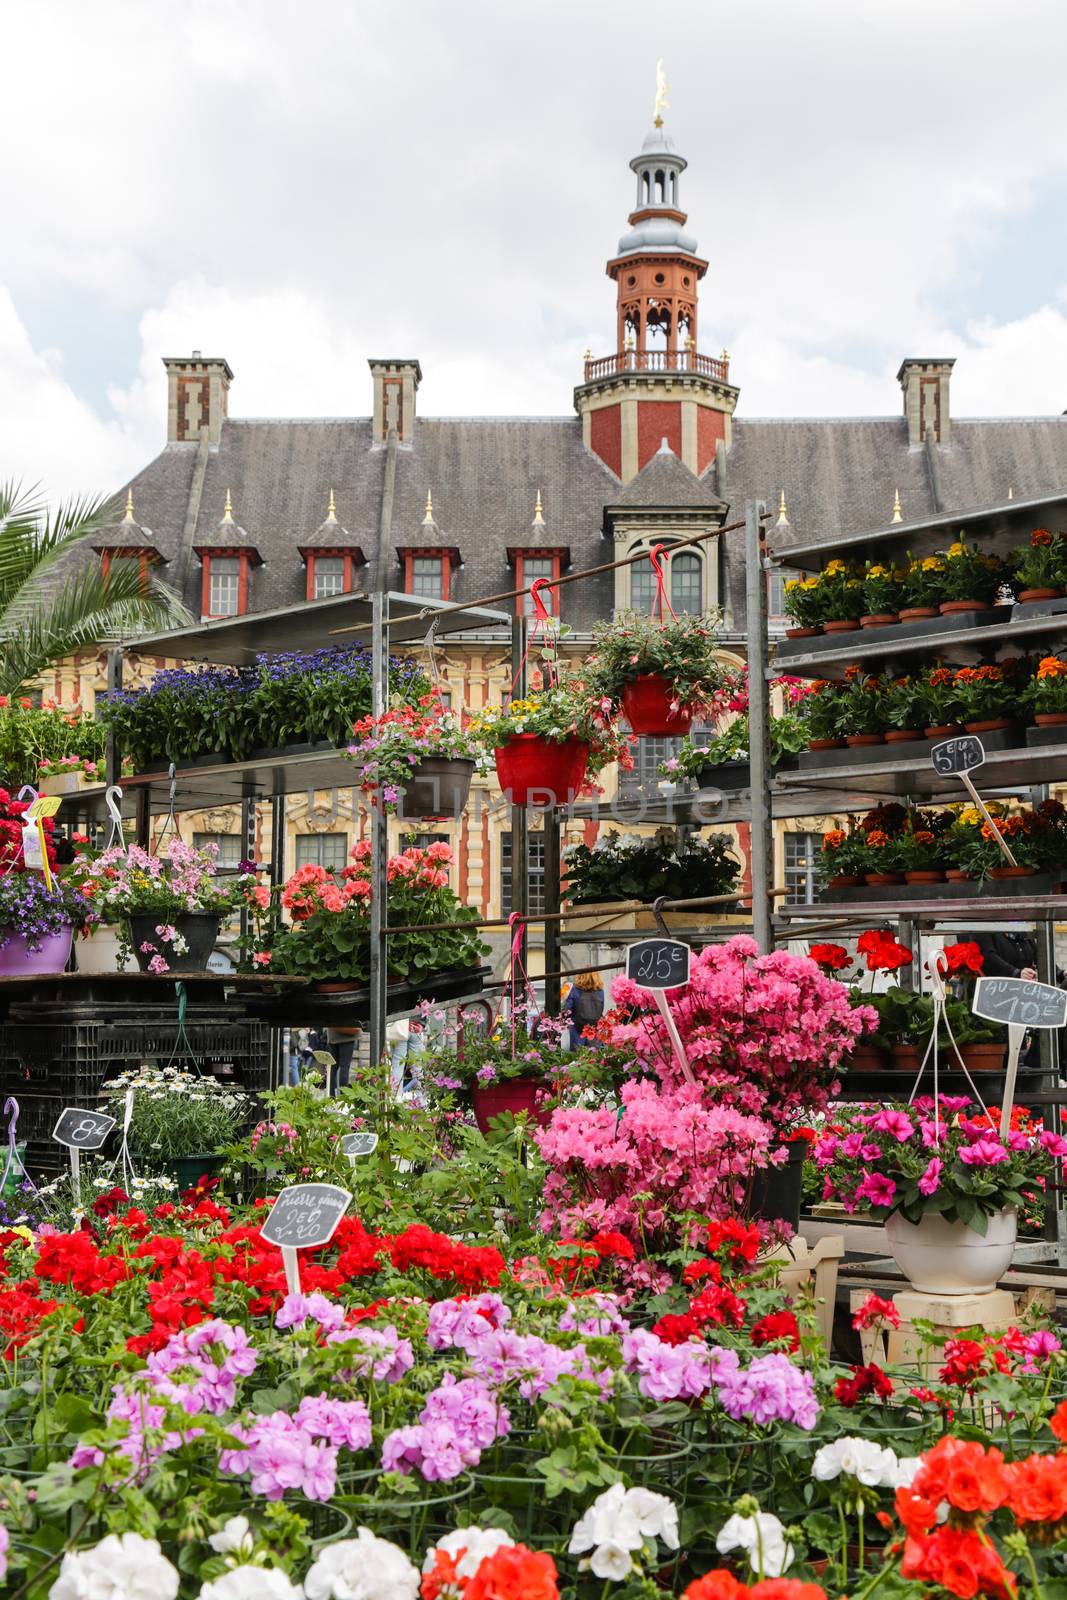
100,952
939,1257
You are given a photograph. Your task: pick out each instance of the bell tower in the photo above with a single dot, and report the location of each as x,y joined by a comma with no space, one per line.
656,384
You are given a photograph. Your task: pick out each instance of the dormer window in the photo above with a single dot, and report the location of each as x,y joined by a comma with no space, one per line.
225,567
331,559
223,584
426,578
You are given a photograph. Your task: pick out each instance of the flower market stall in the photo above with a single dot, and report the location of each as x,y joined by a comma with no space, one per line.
536,1326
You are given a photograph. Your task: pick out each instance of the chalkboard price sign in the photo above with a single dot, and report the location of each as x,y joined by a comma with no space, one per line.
82,1130
1019,1001
305,1215
658,963
953,756
358,1144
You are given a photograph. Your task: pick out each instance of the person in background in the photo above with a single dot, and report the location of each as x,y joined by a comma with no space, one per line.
1012,953
397,1037
292,1075
341,1042
584,1005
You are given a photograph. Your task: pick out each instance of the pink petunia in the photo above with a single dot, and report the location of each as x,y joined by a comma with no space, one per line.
930,1181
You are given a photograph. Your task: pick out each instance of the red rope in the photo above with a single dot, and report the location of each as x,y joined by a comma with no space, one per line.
660,599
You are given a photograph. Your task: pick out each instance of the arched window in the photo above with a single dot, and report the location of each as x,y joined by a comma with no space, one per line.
687,589
660,187
642,586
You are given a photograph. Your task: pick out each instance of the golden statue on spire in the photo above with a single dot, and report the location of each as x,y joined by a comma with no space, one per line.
662,88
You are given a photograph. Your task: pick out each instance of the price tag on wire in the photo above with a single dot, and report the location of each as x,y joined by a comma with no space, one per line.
657,965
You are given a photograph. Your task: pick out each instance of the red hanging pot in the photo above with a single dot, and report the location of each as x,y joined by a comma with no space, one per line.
646,705
534,770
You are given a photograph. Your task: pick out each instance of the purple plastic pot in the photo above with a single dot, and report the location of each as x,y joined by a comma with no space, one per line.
17,961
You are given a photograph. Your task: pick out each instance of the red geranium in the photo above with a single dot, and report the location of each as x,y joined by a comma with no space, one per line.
776,1327
866,1382
830,957
883,952
963,957
874,1310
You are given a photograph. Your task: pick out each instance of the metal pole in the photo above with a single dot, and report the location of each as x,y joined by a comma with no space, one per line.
113,753
759,751
379,833
552,928
277,876
520,855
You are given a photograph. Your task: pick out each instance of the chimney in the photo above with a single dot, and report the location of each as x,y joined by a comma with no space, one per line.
925,385
395,385
198,388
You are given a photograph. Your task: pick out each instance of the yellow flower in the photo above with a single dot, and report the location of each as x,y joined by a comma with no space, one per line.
791,584
970,817
834,568
810,583
931,564
957,549
877,572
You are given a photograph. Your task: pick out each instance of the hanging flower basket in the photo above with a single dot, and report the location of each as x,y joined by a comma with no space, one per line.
534,770
647,707
51,955
514,1094
198,930
941,1257
438,787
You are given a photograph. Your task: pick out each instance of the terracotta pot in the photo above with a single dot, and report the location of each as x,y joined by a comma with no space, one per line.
848,626
879,619
1039,594
957,875
1012,872
906,1057
864,1058
918,613
984,1057
646,705
933,876
955,608
990,725
804,633
860,740
902,735
939,1257
1050,719
549,770
945,731
825,744
845,880
878,880
343,986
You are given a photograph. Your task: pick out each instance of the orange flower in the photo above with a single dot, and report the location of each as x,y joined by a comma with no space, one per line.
1058,1421
1040,536
923,836
940,676
1051,667
1037,1489
877,839
834,839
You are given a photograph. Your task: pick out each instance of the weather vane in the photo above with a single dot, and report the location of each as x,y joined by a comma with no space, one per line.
662,103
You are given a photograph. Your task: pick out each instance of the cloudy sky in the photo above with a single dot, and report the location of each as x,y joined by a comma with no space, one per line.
297,185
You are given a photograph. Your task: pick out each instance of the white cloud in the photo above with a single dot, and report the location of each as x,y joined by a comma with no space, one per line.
299,188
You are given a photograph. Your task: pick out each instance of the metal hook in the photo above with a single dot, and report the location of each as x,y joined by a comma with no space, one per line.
658,914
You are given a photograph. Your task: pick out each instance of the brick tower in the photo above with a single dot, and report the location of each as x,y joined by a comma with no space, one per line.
656,385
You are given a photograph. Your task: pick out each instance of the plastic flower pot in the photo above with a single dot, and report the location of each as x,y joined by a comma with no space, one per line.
852,625
920,876
100,952
534,770
804,633
944,730
918,613
646,705
1050,719
939,1257
776,1191
880,880
906,1057
864,1058
902,735
957,875
879,619
18,960
845,880
199,929
1012,872
825,744
954,608
861,740
1038,594
984,1057
990,725
514,1094
437,788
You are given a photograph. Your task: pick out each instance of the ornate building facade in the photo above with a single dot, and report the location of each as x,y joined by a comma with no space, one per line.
245,514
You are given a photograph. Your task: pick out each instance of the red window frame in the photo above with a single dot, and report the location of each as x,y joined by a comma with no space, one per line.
550,597
125,553
439,554
245,562
312,557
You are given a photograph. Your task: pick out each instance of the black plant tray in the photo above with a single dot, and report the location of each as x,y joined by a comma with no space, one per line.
1022,610
1053,735
991,888
925,628
892,1084
351,1006
908,750
734,775
222,758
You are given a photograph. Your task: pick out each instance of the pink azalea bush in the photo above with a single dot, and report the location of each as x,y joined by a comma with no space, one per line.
667,1152
763,1034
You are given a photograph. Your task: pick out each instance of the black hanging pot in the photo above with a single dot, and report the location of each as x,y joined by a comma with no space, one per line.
199,929
437,787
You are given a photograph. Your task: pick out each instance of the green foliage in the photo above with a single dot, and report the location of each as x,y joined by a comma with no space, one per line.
43,619
32,738
177,1113
625,867
684,650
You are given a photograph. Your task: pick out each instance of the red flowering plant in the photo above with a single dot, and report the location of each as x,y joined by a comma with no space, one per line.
328,937
389,748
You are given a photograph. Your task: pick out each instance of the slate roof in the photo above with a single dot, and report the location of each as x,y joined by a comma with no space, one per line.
839,476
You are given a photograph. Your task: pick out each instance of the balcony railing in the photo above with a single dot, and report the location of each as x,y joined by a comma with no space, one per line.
658,361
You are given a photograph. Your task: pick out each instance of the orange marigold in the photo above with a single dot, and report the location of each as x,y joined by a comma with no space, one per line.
1051,667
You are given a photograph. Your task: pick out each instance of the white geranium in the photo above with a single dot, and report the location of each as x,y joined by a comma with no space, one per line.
233,1538
477,1543
907,1470
869,1463
252,1583
762,1538
617,1523
363,1568
120,1567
